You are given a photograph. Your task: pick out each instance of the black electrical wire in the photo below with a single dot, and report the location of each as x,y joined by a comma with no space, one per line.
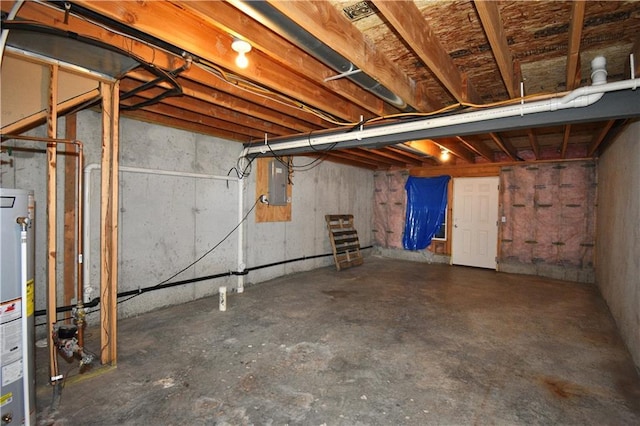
200,258
95,302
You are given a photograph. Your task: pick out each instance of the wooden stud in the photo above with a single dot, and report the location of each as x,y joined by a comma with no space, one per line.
70,186
52,130
109,224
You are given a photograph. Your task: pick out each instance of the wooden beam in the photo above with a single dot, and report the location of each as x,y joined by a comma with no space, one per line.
54,18
427,147
330,156
597,139
240,105
575,34
455,147
565,141
405,160
478,147
164,120
494,29
40,118
356,158
109,224
324,22
209,43
230,20
405,17
182,105
52,208
504,145
533,141
70,186
635,51
475,170
377,157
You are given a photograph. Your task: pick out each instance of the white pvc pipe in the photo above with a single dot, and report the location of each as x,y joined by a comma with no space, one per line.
5,33
580,97
87,209
241,264
26,378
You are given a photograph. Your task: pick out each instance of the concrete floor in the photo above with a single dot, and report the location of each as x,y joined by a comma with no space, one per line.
387,343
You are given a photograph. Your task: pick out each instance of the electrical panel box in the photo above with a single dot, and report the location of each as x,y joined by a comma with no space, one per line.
278,176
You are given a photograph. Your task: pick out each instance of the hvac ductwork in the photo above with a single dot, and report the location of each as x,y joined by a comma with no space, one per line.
314,47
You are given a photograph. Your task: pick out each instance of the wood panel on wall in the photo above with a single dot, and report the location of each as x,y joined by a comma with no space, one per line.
268,212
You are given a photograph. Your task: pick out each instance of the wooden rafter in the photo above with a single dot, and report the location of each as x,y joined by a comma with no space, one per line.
492,23
406,19
325,23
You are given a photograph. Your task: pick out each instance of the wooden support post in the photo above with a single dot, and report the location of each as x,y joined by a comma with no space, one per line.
52,129
109,223
70,186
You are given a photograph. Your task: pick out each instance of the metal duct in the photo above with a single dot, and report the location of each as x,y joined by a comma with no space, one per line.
314,47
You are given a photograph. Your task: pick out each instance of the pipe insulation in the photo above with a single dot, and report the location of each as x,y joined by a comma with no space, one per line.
86,218
447,125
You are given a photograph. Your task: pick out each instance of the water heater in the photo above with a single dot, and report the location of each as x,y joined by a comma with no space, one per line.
17,360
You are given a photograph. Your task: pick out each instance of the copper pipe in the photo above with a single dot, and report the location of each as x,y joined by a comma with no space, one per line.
80,312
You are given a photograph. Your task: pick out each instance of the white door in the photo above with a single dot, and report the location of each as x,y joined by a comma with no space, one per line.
474,237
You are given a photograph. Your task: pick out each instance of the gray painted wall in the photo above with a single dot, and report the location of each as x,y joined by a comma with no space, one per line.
166,222
618,234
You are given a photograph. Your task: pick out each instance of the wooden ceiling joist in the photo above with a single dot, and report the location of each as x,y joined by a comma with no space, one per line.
494,30
205,110
206,41
477,146
406,19
325,23
225,17
505,146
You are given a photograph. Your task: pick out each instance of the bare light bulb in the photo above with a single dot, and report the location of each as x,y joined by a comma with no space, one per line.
241,60
444,156
242,47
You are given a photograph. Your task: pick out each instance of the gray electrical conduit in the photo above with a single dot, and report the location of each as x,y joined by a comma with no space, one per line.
87,216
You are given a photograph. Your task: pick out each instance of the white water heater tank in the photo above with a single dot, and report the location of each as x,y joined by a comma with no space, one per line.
17,321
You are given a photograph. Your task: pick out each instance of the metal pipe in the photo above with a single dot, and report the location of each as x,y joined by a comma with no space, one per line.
26,374
88,289
55,374
5,33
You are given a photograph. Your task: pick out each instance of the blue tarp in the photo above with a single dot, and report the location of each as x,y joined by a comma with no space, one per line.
426,204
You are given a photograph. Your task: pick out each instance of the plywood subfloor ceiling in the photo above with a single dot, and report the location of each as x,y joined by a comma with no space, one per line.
427,55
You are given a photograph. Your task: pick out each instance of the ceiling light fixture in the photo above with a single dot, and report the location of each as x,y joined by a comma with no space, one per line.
444,154
242,47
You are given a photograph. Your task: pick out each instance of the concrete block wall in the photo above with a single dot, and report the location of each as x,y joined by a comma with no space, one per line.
618,234
550,220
